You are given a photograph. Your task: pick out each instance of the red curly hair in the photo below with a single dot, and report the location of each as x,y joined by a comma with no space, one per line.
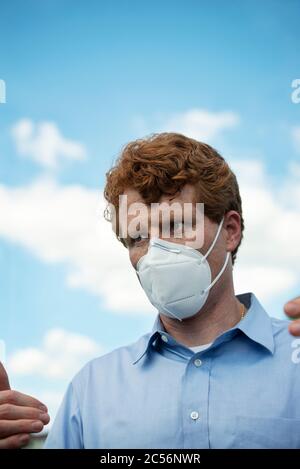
163,163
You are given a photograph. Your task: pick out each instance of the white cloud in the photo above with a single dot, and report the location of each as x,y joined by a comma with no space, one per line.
61,355
265,281
65,224
296,137
200,124
44,144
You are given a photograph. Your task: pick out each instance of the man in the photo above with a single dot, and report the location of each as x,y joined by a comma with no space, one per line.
216,371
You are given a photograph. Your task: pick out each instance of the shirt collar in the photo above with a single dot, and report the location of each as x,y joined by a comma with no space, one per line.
256,325
157,330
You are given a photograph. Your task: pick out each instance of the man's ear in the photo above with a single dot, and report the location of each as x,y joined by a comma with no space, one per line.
232,224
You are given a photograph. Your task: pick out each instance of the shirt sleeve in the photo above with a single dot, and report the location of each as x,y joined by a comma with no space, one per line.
66,431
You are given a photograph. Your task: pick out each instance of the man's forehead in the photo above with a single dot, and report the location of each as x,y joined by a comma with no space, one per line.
186,194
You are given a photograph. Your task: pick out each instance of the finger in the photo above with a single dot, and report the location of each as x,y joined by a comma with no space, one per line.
292,308
294,328
14,412
15,441
4,382
12,427
17,398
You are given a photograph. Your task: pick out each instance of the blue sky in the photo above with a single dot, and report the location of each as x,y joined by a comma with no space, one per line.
104,73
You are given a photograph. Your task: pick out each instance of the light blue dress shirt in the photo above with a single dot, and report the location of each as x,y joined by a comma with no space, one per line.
241,392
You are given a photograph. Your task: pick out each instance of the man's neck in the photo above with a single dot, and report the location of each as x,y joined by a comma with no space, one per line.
217,316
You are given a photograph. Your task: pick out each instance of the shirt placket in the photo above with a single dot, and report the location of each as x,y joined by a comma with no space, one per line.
195,402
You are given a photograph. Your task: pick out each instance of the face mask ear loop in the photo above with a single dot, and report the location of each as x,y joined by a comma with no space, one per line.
179,319
219,274
214,241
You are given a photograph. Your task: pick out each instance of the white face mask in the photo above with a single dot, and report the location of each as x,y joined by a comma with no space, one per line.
177,278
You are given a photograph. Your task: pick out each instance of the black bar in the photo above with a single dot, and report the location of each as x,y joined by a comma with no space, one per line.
141,457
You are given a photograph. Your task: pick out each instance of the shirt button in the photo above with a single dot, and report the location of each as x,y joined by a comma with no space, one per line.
197,362
194,415
164,338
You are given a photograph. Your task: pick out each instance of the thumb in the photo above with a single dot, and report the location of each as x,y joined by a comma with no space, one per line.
4,383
